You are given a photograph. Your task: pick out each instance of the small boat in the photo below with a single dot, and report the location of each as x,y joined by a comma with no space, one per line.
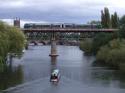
23,51
55,76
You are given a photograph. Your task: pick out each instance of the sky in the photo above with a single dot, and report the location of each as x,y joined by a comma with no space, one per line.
62,11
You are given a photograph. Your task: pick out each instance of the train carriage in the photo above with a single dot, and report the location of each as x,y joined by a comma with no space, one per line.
60,25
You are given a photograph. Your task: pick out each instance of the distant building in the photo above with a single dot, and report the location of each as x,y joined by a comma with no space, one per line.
17,22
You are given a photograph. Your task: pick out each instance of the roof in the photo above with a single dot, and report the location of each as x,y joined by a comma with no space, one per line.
55,72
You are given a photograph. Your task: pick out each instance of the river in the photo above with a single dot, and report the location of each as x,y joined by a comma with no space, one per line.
31,73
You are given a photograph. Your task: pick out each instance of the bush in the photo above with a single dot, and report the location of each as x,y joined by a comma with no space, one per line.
101,39
86,46
122,67
116,57
102,54
113,53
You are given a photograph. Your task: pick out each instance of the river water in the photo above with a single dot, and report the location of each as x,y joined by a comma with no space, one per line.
31,73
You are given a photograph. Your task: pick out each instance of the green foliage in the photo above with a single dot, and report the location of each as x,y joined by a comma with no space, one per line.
1,64
3,43
102,19
94,22
122,20
115,57
122,67
16,40
92,46
105,18
101,39
122,27
12,40
113,53
108,22
102,54
86,46
115,44
114,20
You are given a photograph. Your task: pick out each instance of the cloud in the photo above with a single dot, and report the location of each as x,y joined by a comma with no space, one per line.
22,22
58,10
12,4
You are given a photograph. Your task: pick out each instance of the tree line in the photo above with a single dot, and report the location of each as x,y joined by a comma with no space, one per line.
109,21
109,48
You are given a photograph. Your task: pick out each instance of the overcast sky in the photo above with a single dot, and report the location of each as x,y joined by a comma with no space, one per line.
66,11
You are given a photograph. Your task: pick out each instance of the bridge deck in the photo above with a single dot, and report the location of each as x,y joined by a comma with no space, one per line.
69,30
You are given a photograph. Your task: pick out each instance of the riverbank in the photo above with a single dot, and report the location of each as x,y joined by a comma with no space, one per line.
111,54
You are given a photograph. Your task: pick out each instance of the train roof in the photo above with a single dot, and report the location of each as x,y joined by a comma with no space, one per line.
42,23
57,24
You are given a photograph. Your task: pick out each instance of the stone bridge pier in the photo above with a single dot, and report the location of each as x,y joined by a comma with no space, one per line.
53,45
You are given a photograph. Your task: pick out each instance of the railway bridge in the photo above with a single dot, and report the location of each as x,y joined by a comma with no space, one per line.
54,34
59,31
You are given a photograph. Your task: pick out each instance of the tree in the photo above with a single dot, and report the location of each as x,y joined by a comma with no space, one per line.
101,39
12,40
102,19
4,41
16,40
105,18
114,20
122,27
108,22
122,20
96,23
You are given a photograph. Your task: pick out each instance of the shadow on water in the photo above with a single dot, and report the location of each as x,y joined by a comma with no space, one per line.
11,77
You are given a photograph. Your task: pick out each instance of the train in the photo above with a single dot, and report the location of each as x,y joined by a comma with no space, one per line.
59,26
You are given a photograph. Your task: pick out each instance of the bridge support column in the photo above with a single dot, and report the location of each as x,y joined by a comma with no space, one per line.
53,46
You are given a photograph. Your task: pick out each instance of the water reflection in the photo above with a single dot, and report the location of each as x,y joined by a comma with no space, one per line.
107,76
53,63
11,77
